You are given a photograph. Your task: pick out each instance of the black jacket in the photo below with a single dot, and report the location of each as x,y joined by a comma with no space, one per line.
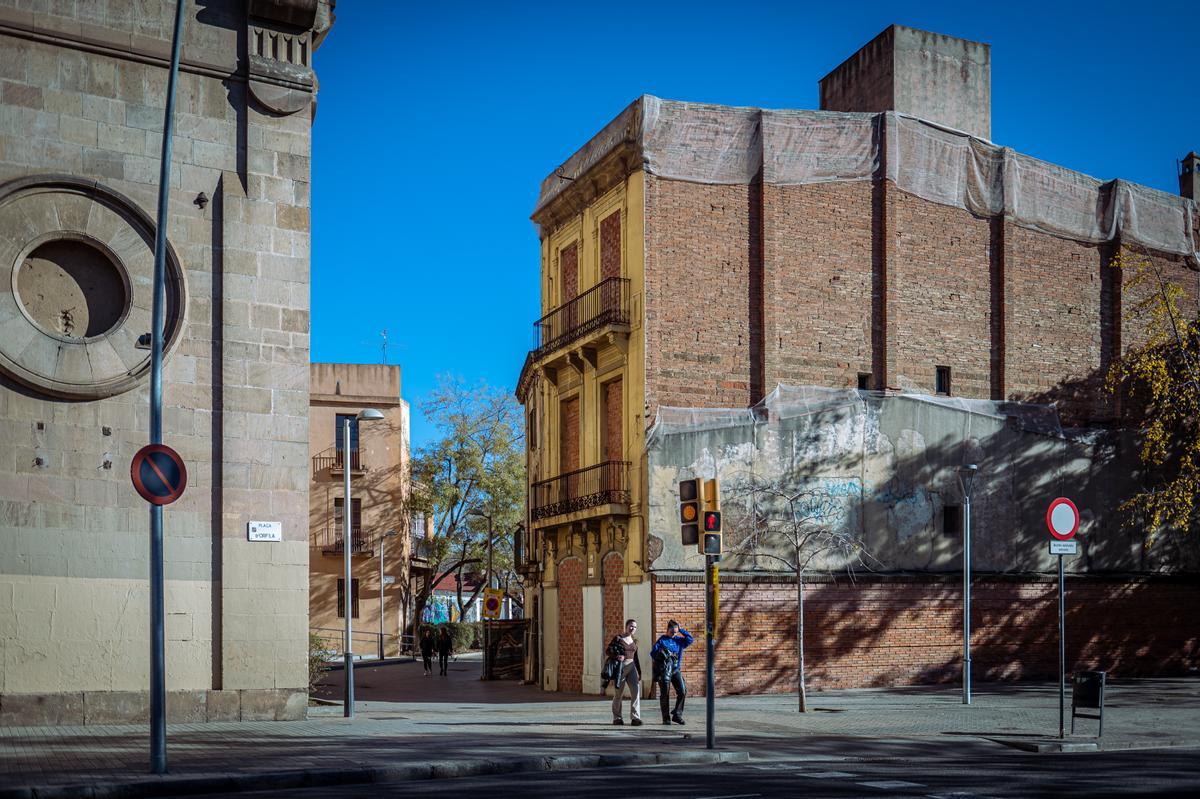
616,648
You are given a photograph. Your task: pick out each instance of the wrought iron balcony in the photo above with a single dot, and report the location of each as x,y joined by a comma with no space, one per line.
605,483
332,460
606,303
332,541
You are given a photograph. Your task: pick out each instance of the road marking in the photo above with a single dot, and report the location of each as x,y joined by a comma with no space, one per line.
891,785
777,767
828,775
731,796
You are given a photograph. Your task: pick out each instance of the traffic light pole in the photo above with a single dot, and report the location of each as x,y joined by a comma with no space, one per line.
710,635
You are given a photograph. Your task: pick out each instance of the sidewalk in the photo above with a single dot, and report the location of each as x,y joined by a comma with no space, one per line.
460,726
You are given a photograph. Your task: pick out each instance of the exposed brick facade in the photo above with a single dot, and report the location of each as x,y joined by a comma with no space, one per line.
569,435
878,633
610,246
749,286
613,448
614,603
570,272
570,625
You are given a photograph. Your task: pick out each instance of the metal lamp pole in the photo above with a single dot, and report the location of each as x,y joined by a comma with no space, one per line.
382,543
158,679
966,476
365,415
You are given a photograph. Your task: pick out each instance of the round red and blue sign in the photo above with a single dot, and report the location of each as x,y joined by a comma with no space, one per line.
158,474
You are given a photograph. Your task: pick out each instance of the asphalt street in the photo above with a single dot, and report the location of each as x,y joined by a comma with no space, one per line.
994,775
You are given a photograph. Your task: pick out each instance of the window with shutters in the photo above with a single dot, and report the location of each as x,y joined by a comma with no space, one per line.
341,598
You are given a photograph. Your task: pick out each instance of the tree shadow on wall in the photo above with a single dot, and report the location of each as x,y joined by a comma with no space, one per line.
1128,604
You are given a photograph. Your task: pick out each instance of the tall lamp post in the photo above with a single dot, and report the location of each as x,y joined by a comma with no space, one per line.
382,543
966,477
365,415
487,627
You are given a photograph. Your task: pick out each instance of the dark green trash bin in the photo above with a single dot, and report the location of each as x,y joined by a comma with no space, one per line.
1087,691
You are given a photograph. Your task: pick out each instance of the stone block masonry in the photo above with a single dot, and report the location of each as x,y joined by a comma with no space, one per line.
82,92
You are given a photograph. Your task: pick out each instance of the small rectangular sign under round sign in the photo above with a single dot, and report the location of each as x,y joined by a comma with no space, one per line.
264,531
1064,547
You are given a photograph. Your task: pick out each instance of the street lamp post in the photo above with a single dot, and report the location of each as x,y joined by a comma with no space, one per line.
966,477
365,415
382,542
487,627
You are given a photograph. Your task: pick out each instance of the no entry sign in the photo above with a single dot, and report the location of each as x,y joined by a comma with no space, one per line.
158,474
1062,517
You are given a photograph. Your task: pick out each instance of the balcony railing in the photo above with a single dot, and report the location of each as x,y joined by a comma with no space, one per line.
332,541
335,461
605,483
606,303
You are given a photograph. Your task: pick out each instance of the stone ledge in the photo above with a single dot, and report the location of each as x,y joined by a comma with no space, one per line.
82,708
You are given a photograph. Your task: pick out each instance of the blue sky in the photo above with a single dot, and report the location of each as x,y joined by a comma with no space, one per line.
437,122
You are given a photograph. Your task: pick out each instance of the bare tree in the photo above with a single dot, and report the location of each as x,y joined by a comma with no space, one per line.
793,526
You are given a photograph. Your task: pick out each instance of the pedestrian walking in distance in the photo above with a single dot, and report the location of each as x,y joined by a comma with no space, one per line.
427,645
667,654
445,645
624,649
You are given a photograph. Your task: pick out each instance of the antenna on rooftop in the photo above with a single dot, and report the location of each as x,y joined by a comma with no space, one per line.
384,334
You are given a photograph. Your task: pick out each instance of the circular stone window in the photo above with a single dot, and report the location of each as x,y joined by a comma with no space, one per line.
71,288
76,288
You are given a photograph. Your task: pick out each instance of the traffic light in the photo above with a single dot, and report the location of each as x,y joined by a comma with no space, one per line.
689,512
710,543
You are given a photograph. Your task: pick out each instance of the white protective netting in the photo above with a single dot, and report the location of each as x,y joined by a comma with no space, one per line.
723,145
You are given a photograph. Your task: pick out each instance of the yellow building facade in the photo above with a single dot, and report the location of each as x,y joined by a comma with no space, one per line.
583,391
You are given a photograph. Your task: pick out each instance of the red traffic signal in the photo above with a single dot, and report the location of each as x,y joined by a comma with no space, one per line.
712,521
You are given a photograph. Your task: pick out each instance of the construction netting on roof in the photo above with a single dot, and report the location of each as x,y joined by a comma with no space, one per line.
724,145
792,402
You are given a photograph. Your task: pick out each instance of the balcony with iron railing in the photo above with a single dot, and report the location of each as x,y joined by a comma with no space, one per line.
332,541
605,484
332,461
605,304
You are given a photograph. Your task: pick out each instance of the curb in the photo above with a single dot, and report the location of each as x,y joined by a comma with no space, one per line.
147,787
1055,745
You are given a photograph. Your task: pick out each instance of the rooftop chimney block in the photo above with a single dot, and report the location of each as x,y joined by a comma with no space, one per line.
928,75
1189,176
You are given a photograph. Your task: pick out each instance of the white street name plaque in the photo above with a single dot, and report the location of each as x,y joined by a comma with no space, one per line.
264,531
1064,547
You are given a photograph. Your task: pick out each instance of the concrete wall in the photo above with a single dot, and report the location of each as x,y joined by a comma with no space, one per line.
929,75
83,93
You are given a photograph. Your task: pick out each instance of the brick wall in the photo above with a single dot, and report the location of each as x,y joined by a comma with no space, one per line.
570,625
613,447
818,298
569,259
697,282
610,246
884,633
568,443
614,603
749,286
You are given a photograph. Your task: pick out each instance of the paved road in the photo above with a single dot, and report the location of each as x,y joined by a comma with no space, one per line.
995,775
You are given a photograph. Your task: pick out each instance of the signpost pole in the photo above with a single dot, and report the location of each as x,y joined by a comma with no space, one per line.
710,596
158,681
1062,649
347,598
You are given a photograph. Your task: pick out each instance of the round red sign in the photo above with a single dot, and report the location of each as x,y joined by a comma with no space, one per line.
158,474
1062,517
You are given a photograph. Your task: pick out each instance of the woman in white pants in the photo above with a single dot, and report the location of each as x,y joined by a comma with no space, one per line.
629,673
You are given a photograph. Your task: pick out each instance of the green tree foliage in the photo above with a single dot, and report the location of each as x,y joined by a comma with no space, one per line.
1159,381
477,463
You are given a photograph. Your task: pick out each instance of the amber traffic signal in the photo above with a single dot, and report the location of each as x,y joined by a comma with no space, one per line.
689,512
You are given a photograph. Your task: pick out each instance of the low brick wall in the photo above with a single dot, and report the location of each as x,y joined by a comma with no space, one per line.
883,631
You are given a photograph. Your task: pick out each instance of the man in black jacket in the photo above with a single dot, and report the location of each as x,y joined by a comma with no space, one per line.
667,654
